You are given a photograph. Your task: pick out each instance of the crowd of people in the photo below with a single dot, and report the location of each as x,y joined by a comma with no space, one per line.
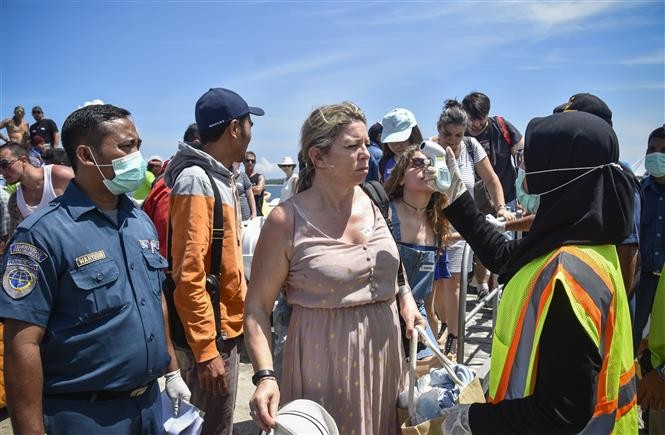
118,271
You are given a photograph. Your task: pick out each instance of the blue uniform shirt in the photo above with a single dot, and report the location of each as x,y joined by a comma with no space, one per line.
652,231
96,289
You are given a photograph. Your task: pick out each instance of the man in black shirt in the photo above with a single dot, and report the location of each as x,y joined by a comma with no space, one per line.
258,181
501,140
45,128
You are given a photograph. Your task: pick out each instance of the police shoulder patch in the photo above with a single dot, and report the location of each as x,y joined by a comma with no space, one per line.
28,250
20,277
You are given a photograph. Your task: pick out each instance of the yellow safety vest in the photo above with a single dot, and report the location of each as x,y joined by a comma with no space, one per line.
592,279
657,326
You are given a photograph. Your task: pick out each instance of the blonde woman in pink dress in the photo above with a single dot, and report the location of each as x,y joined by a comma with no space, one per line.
331,248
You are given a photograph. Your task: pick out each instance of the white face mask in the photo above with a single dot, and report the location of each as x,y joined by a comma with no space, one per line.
129,173
531,201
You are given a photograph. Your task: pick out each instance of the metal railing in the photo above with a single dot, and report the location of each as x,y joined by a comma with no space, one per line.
463,317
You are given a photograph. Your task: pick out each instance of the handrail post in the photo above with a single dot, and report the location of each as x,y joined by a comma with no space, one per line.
495,305
461,320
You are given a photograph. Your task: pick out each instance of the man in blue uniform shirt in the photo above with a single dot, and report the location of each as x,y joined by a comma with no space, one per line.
85,336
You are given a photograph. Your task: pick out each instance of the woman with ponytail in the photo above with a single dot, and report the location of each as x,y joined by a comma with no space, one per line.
473,164
331,248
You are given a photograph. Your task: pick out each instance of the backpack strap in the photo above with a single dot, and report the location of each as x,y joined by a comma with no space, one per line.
216,254
378,195
504,130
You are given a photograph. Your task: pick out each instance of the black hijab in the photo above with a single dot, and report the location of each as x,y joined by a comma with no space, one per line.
595,209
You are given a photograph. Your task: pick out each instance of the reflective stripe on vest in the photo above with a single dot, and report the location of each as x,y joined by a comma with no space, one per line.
590,287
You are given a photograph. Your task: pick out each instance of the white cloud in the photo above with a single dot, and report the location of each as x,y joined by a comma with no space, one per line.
299,66
413,13
629,87
655,58
91,103
553,14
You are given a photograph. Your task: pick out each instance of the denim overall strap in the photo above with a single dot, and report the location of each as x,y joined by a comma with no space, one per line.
394,217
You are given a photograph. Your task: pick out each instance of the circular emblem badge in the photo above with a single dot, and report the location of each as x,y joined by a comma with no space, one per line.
18,281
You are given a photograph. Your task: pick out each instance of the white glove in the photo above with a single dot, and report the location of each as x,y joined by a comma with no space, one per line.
457,187
177,390
498,225
456,420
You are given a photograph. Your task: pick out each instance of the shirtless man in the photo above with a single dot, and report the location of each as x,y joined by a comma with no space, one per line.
38,186
17,129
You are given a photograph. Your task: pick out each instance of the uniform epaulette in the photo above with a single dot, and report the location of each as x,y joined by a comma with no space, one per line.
31,220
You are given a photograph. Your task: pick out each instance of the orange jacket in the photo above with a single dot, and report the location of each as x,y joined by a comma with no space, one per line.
191,213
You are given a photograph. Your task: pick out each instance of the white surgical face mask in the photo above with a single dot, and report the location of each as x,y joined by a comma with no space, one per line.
531,201
129,173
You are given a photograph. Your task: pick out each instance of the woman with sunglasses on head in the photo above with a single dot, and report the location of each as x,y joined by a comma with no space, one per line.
418,225
331,248
400,130
472,161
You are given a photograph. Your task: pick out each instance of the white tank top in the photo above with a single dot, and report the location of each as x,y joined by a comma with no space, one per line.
48,194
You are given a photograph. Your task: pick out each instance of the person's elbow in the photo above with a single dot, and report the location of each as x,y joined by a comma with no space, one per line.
571,416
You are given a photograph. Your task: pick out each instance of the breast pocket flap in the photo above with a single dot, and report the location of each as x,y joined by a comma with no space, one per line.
155,260
95,275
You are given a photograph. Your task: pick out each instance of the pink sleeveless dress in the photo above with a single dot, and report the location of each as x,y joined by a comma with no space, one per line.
344,348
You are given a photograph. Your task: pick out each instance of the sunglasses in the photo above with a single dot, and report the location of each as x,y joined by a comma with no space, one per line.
4,164
36,112
419,162
250,161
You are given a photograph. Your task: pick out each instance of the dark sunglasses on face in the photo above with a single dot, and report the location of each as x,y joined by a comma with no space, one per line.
4,164
419,162
250,161
36,113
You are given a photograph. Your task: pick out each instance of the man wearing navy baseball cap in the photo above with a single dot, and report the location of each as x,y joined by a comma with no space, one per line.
211,287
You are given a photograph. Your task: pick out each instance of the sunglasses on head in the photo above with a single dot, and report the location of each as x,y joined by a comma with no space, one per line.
4,164
419,162
250,161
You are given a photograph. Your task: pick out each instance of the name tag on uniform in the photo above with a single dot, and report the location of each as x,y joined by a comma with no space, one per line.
90,258
427,268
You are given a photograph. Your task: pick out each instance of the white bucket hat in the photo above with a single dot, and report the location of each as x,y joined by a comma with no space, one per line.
397,125
304,417
286,161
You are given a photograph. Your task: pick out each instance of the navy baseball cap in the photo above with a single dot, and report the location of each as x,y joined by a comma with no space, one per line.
589,103
219,106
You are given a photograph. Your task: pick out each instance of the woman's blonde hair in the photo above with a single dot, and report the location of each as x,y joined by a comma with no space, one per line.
437,202
320,130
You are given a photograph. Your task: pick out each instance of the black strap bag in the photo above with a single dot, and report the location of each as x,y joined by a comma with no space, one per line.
178,335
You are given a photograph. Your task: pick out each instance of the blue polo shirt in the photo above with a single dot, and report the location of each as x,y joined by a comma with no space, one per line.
95,286
652,230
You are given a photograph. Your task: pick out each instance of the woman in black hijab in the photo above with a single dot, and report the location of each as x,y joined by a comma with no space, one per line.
586,200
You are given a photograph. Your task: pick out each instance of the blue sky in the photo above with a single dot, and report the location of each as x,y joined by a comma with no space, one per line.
157,58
